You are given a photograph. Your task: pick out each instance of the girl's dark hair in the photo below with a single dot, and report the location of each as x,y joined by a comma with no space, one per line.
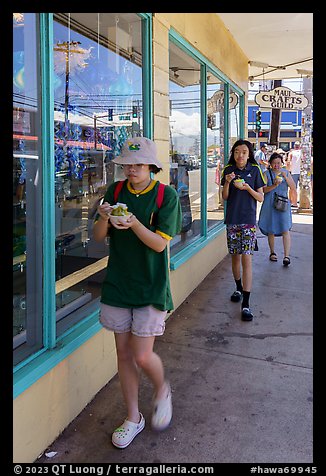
251,157
153,168
275,155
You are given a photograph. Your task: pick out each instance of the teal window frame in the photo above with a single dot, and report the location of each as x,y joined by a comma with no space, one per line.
206,66
54,350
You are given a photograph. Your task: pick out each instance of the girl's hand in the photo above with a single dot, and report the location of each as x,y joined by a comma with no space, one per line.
104,210
240,185
246,186
230,177
278,179
131,222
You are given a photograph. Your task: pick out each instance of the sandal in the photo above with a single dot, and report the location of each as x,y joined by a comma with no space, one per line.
236,296
162,411
273,256
124,434
286,261
246,314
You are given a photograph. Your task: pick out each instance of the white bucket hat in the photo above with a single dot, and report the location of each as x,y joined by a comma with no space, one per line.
138,150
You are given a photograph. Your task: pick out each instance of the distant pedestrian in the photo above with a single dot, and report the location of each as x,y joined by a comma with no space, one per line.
242,182
261,158
283,154
273,222
136,292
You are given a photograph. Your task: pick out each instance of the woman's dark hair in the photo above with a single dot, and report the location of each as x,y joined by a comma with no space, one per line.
251,157
153,168
275,155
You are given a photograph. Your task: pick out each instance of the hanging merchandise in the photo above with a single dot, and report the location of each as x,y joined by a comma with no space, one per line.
305,173
71,161
22,161
76,167
58,157
81,168
105,137
121,136
306,144
89,134
59,130
74,132
110,143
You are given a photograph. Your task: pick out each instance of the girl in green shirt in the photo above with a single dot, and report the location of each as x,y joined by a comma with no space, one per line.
136,292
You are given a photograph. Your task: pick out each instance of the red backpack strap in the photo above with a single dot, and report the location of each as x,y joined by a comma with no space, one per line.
117,189
160,194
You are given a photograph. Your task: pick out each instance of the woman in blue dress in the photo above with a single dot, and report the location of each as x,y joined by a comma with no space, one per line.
271,221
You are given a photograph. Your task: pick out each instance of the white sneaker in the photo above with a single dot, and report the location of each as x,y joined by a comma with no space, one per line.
124,434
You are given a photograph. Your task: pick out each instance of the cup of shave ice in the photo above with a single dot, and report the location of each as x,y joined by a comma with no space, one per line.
239,182
119,214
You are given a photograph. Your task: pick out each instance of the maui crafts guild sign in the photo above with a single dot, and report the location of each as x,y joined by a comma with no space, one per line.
281,98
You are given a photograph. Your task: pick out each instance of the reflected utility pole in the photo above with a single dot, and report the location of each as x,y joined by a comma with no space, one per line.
69,48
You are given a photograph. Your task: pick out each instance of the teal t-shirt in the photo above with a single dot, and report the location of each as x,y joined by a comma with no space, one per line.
138,276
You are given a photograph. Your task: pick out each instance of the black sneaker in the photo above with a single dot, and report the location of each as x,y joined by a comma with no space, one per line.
246,314
236,296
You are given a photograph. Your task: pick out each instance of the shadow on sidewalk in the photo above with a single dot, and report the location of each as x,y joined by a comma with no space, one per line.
242,391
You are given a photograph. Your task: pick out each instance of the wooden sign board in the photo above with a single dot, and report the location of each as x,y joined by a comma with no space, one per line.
281,98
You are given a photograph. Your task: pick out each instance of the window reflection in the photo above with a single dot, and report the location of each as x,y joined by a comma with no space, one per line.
98,105
215,149
185,144
234,105
27,191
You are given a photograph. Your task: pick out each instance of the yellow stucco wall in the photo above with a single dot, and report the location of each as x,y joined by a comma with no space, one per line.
43,411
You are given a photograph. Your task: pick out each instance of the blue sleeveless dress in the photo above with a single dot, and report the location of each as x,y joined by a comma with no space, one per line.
271,221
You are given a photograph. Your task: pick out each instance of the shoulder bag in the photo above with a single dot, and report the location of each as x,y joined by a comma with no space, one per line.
280,203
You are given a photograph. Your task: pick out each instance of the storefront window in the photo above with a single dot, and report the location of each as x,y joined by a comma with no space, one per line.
185,143
234,117
27,188
98,105
215,149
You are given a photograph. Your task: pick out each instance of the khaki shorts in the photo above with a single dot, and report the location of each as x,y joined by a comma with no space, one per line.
140,321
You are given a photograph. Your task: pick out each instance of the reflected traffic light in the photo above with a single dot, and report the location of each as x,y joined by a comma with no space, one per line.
134,112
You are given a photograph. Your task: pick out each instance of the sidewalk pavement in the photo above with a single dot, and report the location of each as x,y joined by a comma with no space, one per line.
242,391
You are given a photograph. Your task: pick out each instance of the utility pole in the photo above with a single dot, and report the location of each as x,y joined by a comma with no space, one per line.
306,130
275,120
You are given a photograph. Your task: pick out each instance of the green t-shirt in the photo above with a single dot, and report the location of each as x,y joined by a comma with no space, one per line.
138,276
